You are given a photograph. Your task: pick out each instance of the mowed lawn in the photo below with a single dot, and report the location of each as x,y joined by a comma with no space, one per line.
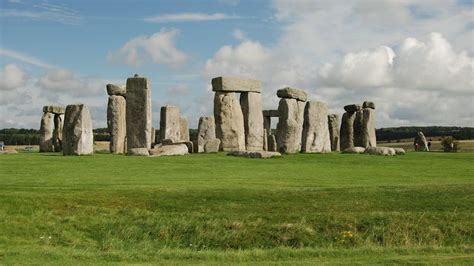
213,208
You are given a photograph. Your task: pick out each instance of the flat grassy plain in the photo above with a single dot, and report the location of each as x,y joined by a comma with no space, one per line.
215,209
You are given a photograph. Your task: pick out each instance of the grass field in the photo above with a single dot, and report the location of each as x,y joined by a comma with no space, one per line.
212,208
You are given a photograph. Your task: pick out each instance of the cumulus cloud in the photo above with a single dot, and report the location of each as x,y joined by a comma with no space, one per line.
11,77
159,48
189,17
64,81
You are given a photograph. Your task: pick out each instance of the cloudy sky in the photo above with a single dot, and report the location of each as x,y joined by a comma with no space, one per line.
414,58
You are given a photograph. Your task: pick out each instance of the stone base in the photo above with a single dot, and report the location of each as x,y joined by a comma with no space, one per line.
255,154
138,152
169,150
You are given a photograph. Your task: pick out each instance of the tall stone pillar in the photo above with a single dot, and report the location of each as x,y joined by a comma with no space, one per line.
364,126
251,103
290,120
58,132
78,138
333,125
315,129
170,119
116,118
347,126
138,115
229,121
46,132
183,129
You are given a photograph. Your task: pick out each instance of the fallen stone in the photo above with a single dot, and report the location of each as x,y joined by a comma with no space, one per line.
385,151
116,123
138,118
212,145
170,119
367,104
189,144
46,133
169,150
138,152
6,152
78,138
116,90
270,113
315,129
53,109
229,121
399,151
290,125
333,125
354,150
251,103
235,84
255,154
352,108
291,93
183,129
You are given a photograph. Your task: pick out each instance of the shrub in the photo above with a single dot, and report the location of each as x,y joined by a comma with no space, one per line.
450,144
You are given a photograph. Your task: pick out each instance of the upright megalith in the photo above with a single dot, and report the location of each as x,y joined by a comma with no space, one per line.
229,121
46,132
267,127
333,125
364,128
347,126
251,103
206,134
78,138
170,119
315,128
183,129
138,115
116,118
290,119
58,132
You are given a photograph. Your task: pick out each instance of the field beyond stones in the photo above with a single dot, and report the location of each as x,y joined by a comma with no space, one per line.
212,208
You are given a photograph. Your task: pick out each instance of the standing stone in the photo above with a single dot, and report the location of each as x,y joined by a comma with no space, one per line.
364,128
138,119
170,120
333,125
78,138
206,132
290,125
46,133
347,126
272,143
183,129
116,123
58,132
251,103
229,121
153,136
315,129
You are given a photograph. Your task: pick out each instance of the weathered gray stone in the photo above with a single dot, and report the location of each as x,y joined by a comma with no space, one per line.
46,133
183,129
58,132
153,136
116,90
420,142
138,152
399,151
138,119
7,152
291,93
267,124
170,119
229,121
385,151
78,138
251,103
364,128
169,150
212,145
272,143
53,109
188,144
354,150
352,108
333,125
270,113
315,129
368,104
234,84
290,125
347,130
255,154
206,132
116,123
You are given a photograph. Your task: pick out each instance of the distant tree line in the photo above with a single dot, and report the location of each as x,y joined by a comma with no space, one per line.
13,136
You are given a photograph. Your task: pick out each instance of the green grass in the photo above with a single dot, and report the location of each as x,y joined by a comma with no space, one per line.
204,209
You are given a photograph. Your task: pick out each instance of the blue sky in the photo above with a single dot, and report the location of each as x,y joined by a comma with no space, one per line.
413,57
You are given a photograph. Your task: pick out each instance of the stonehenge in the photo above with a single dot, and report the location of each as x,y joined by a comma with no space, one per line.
290,119
206,136
333,125
269,138
138,115
315,128
239,123
78,137
51,129
170,121
116,118
358,126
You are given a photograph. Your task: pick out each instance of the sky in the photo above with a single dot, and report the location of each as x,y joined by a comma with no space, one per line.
413,58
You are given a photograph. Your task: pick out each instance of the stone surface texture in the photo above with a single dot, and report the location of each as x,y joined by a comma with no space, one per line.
116,123
333,126
347,130
385,151
270,113
255,154
368,104
352,108
183,129
235,84
291,93
116,90
315,129
251,103
354,150
290,125
364,128
58,132
138,118
229,121
78,138
169,150
53,109
170,119
212,145
46,132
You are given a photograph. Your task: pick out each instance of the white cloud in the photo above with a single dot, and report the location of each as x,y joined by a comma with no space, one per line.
159,48
239,35
24,58
189,17
64,81
44,11
11,77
